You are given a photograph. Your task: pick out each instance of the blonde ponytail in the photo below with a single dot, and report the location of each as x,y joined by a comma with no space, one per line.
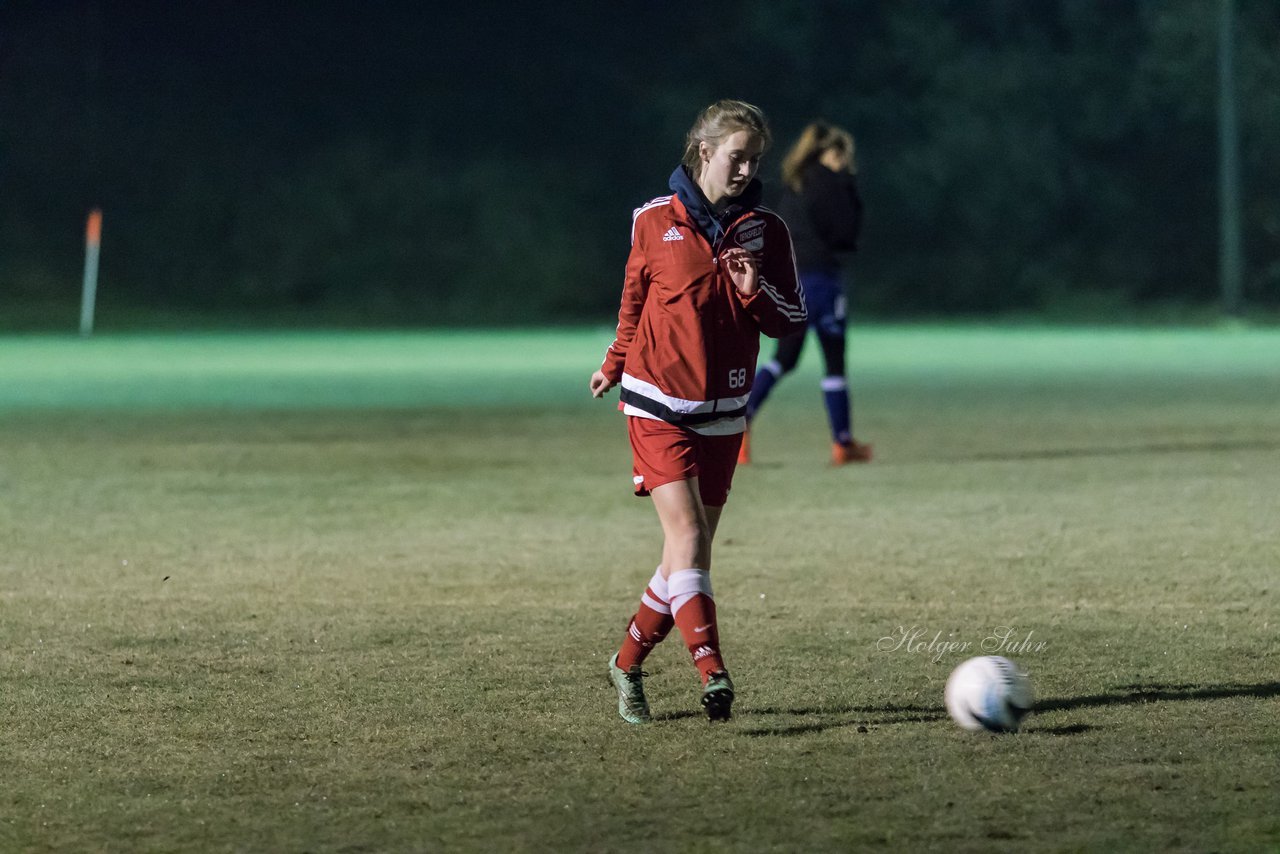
815,139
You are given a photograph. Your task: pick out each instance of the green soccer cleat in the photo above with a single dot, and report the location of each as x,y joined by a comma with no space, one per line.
717,696
632,705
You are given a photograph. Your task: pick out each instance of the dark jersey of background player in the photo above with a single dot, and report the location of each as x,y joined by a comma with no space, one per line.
823,210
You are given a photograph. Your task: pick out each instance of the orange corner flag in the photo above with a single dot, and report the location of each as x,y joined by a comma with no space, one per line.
93,229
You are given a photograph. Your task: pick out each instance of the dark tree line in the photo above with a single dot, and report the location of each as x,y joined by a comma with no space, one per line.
479,164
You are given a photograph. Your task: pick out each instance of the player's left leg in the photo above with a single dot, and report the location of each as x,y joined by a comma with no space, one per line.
717,691
692,600
688,526
835,390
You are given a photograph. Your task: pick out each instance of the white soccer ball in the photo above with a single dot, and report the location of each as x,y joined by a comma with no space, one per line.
989,693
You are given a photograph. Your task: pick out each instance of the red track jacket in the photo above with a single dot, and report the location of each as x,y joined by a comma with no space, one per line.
687,340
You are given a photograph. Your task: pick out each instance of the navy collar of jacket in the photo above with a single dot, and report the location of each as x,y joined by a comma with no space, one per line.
712,226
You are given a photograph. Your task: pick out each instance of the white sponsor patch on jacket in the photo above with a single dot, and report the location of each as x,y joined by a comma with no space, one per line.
750,235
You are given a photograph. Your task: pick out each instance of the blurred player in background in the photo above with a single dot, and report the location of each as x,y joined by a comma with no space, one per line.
821,206
709,270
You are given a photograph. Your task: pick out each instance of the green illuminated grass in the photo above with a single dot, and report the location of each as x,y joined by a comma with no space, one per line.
356,592
538,368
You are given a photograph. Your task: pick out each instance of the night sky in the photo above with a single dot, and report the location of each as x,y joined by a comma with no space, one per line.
541,77
258,153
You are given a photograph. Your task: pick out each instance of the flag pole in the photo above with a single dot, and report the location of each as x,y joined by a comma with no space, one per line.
89,292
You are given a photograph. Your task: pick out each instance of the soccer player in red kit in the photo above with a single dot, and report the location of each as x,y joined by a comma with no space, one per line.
709,271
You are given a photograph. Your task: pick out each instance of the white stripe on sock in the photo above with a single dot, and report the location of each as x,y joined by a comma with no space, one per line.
658,584
687,583
834,384
654,604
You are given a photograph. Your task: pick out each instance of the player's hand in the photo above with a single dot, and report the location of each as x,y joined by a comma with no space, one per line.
600,384
742,269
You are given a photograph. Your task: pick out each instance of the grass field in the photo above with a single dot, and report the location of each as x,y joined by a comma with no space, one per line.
321,592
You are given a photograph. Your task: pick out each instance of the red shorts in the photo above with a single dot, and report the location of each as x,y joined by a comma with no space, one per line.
664,453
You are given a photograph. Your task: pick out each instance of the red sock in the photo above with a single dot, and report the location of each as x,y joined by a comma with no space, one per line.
651,623
695,615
